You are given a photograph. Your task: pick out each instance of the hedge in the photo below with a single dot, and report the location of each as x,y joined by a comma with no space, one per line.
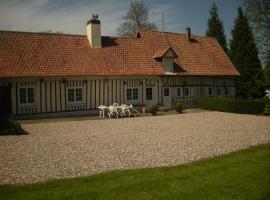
231,105
9,126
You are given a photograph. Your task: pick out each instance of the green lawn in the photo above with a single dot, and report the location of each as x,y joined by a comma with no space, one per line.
241,175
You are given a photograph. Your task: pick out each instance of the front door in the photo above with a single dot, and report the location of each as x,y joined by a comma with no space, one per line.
149,97
5,101
167,97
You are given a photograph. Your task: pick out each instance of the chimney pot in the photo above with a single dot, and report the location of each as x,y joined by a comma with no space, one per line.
188,34
93,31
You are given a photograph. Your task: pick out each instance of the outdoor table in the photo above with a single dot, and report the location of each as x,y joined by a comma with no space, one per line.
102,111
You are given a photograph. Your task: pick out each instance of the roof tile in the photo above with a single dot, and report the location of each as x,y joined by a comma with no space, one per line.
37,54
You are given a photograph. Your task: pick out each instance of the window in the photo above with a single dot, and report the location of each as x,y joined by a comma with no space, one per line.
149,94
226,91
168,64
132,94
186,91
210,91
166,92
26,95
75,95
179,92
219,91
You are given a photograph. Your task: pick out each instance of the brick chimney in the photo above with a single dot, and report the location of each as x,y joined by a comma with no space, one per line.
188,34
93,32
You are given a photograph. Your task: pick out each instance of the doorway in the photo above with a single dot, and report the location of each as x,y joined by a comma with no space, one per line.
167,97
5,101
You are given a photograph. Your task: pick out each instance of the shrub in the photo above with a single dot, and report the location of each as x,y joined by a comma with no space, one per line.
231,105
162,109
154,109
179,106
267,107
8,126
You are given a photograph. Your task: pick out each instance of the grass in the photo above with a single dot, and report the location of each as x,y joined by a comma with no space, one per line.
241,175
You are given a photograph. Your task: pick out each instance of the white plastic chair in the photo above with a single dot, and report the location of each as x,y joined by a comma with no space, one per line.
113,111
133,112
125,110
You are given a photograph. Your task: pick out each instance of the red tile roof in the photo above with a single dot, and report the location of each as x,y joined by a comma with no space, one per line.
39,54
161,52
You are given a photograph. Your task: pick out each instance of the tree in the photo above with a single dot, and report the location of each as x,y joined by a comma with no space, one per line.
52,32
244,55
136,18
267,71
215,28
258,12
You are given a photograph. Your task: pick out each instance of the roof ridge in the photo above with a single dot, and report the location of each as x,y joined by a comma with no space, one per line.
174,33
41,33
63,34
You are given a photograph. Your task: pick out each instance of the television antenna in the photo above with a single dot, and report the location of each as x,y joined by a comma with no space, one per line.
162,13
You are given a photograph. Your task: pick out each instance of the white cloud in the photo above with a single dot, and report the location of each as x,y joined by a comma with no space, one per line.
35,16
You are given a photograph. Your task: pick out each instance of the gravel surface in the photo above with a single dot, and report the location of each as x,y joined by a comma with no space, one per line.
78,148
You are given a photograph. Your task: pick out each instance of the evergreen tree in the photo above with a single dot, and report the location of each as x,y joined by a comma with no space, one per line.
267,71
215,28
258,13
244,55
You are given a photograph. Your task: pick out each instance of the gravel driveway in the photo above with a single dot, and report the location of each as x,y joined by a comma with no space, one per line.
79,148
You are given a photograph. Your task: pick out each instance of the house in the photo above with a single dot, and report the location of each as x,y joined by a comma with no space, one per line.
59,73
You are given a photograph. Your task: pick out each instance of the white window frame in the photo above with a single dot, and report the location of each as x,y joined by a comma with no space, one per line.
132,94
221,93
151,93
189,92
168,91
27,101
181,91
75,101
210,95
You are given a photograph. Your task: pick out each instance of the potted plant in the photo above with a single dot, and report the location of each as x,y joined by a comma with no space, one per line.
162,109
153,109
143,109
179,106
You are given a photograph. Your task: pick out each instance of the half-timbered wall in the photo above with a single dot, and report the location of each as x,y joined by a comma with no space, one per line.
51,96
198,86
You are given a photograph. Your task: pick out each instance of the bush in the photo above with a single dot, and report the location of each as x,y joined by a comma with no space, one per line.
154,109
162,109
231,105
267,107
179,106
8,126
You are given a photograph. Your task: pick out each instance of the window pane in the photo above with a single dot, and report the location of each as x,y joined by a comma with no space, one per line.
226,91
210,91
129,95
178,92
23,95
30,95
168,64
186,91
148,93
79,94
135,94
219,91
166,92
71,95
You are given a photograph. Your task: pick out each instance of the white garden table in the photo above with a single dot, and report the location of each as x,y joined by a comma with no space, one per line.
102,110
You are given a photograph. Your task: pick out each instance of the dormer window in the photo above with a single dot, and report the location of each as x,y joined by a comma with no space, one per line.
167,64
166,56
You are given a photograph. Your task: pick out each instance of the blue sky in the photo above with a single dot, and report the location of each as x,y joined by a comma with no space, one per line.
70,16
